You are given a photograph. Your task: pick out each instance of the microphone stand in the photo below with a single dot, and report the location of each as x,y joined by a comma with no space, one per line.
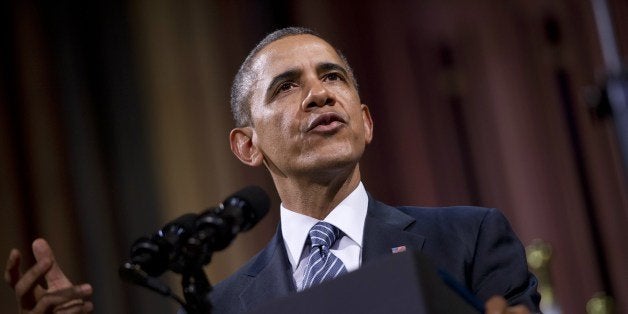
196,289
194,281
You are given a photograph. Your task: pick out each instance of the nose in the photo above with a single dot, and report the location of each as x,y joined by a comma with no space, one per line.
318,96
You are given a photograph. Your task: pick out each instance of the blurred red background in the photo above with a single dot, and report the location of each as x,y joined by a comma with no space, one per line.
114,119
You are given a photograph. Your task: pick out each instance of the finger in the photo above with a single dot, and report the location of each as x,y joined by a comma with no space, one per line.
76,307
85,307
68,299
496,305
72,306
55,277
29,279
12,270
88,307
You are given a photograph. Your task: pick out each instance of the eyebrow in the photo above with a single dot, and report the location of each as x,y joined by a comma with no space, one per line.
328,66
294,73
291,74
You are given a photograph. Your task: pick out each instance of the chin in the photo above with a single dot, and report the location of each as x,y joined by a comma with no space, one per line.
333,162
338,155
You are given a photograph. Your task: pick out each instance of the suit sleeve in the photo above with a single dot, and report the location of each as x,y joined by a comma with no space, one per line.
499,264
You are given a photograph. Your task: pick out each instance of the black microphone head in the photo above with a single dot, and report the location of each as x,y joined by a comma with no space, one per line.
182,224
158,253
252,201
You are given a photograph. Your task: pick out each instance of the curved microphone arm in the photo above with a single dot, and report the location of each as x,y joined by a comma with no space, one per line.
134,274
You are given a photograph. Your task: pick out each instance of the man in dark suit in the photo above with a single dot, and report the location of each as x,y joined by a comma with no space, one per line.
298,113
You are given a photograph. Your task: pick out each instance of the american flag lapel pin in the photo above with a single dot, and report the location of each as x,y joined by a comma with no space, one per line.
398,249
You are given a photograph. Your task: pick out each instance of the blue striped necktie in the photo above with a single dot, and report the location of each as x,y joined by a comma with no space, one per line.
322,264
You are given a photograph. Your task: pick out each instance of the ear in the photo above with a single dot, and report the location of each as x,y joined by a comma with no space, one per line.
243,146
368,124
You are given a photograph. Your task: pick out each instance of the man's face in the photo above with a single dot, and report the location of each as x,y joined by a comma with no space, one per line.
305,110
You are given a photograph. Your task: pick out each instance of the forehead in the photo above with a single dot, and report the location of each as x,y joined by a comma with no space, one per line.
293,52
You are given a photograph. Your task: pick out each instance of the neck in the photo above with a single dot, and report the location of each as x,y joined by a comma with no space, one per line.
316,197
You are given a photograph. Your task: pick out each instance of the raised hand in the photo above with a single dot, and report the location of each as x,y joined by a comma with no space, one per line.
44,288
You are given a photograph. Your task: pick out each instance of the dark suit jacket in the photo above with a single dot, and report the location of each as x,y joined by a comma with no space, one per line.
475,245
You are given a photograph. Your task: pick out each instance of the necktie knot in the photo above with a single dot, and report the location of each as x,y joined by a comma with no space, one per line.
323,235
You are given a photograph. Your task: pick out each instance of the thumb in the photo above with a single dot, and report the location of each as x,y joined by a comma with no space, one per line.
55,278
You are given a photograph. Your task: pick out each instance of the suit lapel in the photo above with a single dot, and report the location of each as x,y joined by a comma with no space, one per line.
271,275
386,228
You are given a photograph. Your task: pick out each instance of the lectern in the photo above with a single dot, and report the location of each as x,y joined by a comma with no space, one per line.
401,283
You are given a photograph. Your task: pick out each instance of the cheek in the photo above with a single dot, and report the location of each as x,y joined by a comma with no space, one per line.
272,129
345,90
279,117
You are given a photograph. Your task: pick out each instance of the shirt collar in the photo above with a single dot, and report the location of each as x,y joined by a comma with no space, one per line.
348,216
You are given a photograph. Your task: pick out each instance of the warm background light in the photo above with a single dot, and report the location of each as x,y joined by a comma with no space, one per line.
114,119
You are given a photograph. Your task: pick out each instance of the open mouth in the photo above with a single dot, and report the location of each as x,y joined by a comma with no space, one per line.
326,122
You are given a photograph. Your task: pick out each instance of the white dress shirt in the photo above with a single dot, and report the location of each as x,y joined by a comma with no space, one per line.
348,216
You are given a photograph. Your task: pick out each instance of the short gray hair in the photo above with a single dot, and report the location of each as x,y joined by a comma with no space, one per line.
243,82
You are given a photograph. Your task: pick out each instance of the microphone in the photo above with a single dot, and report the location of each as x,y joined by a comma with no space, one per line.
216,228
160,252
246,207
189,241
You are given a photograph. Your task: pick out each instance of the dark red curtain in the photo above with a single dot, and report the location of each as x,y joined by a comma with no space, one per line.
114,119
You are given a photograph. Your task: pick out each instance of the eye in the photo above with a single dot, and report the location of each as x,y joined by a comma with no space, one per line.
333,76
286,86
